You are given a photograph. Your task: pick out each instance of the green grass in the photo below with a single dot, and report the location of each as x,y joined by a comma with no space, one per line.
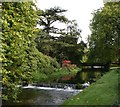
102,92
115,67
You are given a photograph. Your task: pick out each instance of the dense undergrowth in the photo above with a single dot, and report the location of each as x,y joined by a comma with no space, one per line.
53,74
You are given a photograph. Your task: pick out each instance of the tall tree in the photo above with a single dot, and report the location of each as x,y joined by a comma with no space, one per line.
104,41
49,16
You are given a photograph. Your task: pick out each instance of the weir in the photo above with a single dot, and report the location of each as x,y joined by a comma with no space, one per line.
95,66
66,88
37,95
55,85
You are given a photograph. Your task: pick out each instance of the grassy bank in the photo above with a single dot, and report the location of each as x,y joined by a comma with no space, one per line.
102,92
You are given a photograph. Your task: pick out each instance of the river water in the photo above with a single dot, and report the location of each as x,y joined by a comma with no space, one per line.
34,95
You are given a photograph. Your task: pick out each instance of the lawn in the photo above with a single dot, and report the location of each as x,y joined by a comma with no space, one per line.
102,92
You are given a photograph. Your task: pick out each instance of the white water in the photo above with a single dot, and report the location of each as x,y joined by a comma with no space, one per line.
38,95
68,89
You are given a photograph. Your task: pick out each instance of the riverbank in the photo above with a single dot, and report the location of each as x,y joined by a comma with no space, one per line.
102,92
54,76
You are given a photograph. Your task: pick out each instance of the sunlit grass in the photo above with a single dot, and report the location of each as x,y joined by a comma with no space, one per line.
103,92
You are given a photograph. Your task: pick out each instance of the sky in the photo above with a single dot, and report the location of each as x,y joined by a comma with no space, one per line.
79,10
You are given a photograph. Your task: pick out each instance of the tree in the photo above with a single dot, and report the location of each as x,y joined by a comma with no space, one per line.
19,57
104,40
18,32
72,29
63,47
49,16
71,33
46,20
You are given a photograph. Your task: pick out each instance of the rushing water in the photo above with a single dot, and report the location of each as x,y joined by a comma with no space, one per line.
34,95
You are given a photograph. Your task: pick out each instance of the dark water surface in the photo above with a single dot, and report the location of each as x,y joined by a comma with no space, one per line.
44,96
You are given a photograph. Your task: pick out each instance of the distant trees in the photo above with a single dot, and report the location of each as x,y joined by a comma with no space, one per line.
104,41
71,33
63,47
73,29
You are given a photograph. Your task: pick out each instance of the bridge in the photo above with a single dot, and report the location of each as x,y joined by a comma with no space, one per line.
95,66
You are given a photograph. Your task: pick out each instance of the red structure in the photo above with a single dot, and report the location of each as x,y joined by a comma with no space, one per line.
66,63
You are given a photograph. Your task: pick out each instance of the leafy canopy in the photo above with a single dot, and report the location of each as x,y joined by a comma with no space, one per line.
104,41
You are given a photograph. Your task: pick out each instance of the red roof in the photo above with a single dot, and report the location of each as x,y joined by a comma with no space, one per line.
66,61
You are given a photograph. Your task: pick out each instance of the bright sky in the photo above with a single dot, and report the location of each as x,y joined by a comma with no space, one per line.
79,10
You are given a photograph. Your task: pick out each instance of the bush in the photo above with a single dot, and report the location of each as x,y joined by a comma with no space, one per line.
39,77
79,86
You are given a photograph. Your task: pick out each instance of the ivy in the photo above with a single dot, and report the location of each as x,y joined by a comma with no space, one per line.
19,54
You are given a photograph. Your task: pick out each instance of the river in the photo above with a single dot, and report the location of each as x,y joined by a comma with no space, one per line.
35,95
52,94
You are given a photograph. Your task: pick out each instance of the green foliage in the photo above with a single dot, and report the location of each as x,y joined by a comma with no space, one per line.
72,29
104,41
55,75
19,56
39,77
22,62
103,92
49,16
44,66
65,46
18,20
79,86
